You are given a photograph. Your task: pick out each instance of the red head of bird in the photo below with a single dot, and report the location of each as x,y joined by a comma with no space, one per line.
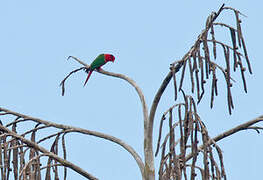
109,57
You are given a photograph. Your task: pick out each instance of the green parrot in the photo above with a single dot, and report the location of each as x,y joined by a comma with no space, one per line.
97,63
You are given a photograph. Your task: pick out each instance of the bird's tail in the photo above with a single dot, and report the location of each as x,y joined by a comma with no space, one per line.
89,73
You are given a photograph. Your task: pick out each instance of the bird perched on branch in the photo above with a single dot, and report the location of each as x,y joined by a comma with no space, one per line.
97,63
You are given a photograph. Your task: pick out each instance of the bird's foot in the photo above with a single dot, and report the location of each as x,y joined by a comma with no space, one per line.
86,70
99,69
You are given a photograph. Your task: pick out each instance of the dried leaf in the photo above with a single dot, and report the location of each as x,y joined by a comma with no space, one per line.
175,84
213,40
182,77
15,154
233,37
246,55
238,21
214,87
195,68
64,154
202,76
207,57
227,78
160,135
191,74
171,139
242,69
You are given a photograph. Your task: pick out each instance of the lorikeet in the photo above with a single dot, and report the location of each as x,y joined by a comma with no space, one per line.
98,62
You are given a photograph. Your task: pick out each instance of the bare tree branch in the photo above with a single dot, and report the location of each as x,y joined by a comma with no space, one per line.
177,65
230,132
66,129
50,154
148,150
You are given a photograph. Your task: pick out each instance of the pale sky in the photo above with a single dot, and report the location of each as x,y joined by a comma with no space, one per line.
36,37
